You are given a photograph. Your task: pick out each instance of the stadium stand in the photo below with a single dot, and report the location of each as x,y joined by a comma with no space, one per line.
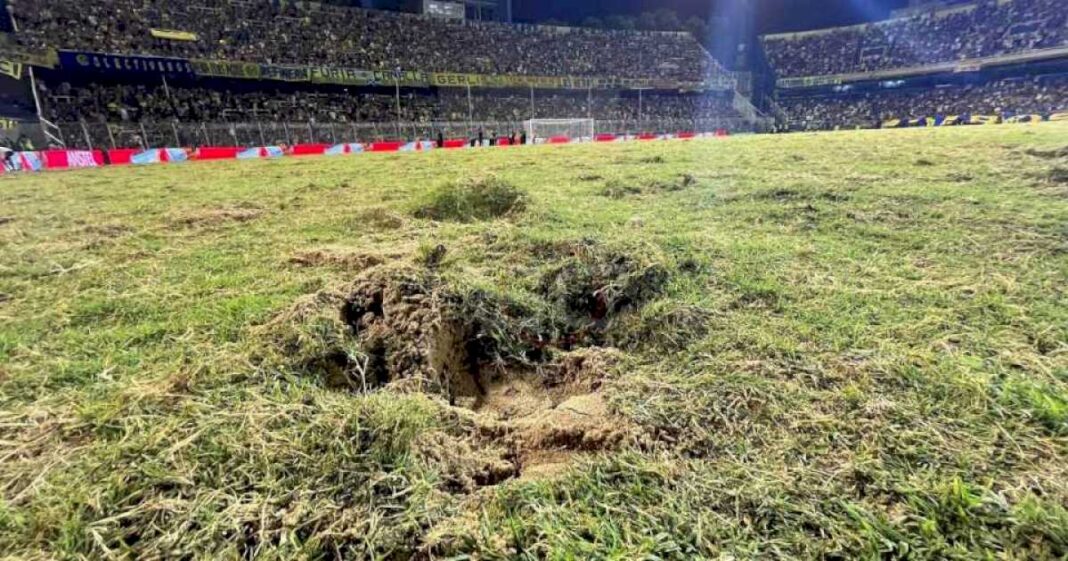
175,109
997,60
1004,99
163,67
984,29
276,33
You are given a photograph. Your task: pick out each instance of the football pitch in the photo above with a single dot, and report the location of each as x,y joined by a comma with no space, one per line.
845,345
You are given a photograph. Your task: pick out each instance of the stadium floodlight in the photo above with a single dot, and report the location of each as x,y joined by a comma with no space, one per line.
541,130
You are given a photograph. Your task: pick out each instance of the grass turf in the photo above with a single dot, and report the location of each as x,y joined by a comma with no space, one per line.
857,348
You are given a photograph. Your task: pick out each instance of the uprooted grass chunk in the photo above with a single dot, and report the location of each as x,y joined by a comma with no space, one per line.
663,326
596,283
472,200
409,327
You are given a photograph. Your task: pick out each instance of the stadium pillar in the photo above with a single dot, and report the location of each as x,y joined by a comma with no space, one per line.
85,133
396,82
470,107
111,136
177,139
263,141
532,112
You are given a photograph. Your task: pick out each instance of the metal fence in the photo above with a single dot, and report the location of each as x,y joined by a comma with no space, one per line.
155,134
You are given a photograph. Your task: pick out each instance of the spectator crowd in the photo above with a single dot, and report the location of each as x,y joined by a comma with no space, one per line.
1003,98
268,31
218,101
983,29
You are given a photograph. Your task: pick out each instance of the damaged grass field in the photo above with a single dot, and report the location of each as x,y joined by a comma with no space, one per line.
836,346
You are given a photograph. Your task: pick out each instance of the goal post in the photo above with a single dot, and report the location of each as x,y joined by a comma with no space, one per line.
541,130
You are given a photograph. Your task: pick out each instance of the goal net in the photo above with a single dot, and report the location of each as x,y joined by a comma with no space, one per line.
541,130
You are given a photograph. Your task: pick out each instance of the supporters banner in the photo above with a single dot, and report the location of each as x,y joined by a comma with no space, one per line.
226,69
808,82
342,76
173,35
417,79
10,68
8,123
409,78
285,73
123,64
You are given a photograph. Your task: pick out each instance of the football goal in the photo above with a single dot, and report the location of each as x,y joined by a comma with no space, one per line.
541,130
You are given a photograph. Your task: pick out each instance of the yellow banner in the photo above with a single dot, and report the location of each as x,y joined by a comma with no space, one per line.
173,34
8,124
45,58
1059,117
983,120
950,120
10,68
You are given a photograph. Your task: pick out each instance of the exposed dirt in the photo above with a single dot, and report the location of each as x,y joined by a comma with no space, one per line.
218,216
531,411
340,258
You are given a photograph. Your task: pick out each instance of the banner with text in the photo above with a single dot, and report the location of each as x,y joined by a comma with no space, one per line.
358,77
123,64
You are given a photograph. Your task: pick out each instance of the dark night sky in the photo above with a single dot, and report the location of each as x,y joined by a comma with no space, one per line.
771,16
